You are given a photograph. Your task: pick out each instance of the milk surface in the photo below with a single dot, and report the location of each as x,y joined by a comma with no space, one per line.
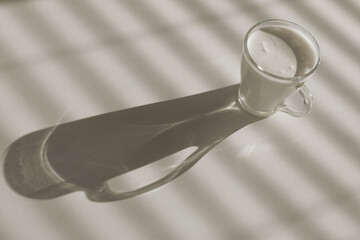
272,54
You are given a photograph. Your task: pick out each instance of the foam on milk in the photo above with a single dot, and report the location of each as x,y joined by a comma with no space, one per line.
272,54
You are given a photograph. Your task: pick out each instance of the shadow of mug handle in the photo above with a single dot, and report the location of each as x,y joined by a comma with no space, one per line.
308,103
106,194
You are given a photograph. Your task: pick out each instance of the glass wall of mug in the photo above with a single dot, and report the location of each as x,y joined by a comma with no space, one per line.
277,58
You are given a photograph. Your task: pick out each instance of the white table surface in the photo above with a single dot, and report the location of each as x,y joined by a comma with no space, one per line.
281,178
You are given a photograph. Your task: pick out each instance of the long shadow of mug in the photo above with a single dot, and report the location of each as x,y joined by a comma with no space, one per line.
84,155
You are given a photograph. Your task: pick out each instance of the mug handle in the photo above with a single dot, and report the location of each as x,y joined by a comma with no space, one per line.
308,102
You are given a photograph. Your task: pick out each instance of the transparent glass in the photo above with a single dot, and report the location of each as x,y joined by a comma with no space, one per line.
263,92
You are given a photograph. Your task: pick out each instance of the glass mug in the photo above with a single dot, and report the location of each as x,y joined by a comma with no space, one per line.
277,58
122,154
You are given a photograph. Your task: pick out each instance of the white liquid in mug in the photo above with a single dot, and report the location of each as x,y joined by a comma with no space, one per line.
282,52
272,54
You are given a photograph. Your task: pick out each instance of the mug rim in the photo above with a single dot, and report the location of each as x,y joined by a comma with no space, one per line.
280,79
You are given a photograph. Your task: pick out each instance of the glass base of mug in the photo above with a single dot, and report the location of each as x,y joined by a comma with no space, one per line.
252,110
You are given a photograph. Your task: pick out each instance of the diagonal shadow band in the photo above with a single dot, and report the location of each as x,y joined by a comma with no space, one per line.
128,56
29,90
178,44
342,42
84,154
349,7
34,23
274,198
